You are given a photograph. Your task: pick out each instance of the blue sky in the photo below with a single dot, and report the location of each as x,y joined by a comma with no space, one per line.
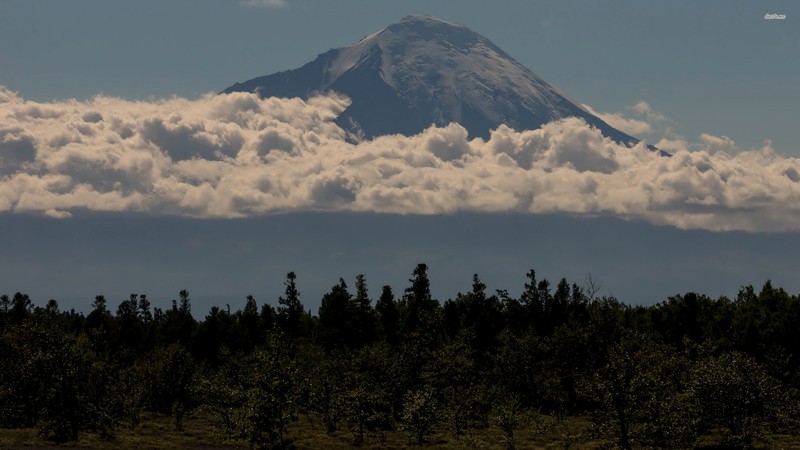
147,183
709,66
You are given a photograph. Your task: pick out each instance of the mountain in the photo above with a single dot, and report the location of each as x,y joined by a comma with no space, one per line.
422,71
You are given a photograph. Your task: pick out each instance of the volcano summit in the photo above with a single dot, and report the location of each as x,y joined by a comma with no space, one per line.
423,71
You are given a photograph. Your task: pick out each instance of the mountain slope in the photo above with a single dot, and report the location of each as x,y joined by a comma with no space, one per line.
422,71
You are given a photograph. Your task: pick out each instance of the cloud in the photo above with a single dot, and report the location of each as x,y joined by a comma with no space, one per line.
631,126
265,3
237,155
644,109
16,149
718,143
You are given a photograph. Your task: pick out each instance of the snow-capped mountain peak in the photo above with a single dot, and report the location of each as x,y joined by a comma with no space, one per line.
422,71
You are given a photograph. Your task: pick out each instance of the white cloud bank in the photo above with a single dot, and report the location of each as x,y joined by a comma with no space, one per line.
237,155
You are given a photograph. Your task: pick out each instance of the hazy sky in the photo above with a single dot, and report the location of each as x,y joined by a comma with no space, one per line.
714,67
121,171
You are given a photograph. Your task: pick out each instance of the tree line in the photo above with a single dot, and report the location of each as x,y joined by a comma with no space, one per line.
648,376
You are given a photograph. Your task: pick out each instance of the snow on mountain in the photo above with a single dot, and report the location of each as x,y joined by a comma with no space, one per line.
422,71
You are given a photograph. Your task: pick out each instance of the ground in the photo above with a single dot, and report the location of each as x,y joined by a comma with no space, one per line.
200,432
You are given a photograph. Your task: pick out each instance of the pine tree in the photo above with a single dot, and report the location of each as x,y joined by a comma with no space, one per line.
336,330
291,310
419,305
388,315
364,318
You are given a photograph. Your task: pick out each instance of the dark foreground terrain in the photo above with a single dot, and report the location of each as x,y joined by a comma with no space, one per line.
556,367
543,432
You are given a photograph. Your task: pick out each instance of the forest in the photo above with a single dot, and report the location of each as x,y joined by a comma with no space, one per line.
377,369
